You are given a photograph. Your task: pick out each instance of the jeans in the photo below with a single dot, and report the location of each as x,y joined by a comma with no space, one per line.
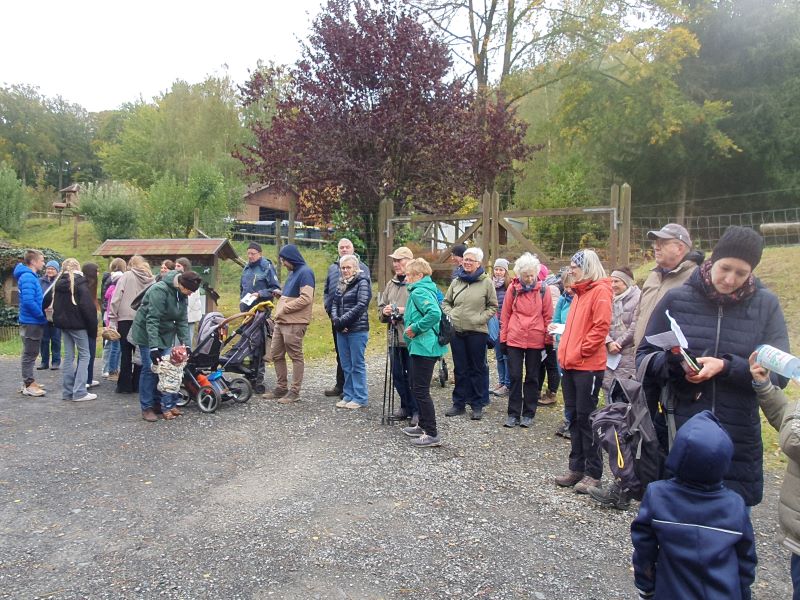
150,397
73,380
31,343
524,395
549,366
51,341
580,389
111,355
470,369
795,563
502,367
401,376
421,373
351,352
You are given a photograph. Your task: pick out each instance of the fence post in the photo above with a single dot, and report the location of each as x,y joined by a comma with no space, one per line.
613,240
292,216
75,232
385,212
486,226
495,239
278,264
625,224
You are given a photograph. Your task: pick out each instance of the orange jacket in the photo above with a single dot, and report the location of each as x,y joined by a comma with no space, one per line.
583,345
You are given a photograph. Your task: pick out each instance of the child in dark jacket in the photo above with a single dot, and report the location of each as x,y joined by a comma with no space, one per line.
692,537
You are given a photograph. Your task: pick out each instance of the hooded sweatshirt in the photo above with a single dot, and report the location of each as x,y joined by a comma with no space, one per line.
30,296
130,285
295,304
692,537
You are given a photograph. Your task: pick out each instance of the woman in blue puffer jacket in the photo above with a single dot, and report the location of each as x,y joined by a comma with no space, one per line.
351,321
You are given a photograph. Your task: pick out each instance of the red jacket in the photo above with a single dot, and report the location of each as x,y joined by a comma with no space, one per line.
583,345
525,317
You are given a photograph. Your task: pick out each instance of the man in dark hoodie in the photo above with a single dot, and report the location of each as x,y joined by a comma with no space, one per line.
31,317
692,537
292,316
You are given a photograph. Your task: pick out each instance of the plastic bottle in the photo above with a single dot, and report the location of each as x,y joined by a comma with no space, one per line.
778,361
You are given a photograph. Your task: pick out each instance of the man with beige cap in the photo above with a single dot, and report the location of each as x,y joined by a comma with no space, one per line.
344,247
391,308
671,246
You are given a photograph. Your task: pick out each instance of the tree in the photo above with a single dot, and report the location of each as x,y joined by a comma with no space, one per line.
113,209
13,203
372,111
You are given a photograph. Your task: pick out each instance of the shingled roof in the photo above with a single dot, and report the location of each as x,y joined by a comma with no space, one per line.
220,247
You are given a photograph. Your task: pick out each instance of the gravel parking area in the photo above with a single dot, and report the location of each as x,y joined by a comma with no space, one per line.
303,501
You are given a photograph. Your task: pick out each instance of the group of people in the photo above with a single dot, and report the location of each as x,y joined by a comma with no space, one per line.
584,333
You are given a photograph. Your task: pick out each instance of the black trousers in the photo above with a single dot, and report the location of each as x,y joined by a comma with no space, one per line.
580,389
339,372
524,395
470,369
549,366
421,373
128,381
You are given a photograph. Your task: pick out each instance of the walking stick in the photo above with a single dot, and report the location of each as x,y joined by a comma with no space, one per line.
387,417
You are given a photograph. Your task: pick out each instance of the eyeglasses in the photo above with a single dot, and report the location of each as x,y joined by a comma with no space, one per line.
469,260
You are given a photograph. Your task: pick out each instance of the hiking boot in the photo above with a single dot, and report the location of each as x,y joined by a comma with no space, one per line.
33,389
511,422
455,411
414,420
113,376
477,414
289,398
569,479
414,431
501,391
334,391
582,487
426,441
526,422
149,416
275,394
612,497
547,399
563,430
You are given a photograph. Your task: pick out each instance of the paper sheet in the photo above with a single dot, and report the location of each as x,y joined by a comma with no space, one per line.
669,339
612,362
556,329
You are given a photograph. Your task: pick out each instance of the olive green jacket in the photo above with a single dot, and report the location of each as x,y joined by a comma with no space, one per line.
471,305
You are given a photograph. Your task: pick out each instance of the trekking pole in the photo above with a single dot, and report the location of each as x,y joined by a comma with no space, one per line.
388,417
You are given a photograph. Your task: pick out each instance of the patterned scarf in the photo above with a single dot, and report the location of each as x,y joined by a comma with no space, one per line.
747,289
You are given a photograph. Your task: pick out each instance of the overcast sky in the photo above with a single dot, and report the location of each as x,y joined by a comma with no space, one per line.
101,54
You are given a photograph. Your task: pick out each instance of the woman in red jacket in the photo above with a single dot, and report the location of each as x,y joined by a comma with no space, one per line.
527,311
582,356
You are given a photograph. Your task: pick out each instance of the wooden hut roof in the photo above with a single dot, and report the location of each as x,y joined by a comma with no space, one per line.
219,247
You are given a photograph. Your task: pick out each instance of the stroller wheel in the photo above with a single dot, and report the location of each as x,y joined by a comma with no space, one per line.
240,389
443,373
183,397
207,399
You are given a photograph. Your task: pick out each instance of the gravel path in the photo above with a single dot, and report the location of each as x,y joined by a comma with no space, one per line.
303,501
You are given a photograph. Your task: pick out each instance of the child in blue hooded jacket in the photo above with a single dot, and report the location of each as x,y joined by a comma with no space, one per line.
692,537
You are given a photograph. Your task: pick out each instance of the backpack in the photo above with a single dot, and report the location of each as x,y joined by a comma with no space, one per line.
625,430
445,333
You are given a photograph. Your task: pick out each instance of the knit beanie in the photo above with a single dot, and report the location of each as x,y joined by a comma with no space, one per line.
254,246
459,249
54,264
502,263
739,242
190,280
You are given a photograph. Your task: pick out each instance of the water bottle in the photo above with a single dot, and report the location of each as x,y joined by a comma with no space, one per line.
778,361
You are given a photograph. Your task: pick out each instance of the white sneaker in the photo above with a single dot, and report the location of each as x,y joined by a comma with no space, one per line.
93,383
342,403
105,375
354,405
86,397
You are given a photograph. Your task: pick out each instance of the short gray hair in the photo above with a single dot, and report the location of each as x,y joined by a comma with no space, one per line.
477,252
526,262
351,258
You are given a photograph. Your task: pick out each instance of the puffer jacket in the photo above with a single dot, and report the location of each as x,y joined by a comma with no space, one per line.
692,537
471,302
583,345
349,312
784,416
162,315
332,280
623,323
130,285
422,316
396,292
525,316
73,305
30,296
731,332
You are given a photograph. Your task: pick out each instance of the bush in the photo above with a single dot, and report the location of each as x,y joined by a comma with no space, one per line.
112,208
13,201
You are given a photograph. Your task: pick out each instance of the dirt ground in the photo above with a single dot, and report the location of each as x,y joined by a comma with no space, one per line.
303,501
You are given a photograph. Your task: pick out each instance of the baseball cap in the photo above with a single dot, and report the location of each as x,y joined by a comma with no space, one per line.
402,252
671,231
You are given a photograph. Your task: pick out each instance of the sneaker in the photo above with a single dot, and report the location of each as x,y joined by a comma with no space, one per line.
353,405
342,403
106,374
569,479
33,389
414,431
526,422
414,420
612,497
548,399
401,414
501,391
455,411
289,398
426,441
334,391
275,394
55,366
92,383
511,422
582,487
42,367
86,397
477,414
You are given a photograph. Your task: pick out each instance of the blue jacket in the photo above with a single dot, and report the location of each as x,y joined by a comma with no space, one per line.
332,280
30,296
692,537
731,332
258,277
349,308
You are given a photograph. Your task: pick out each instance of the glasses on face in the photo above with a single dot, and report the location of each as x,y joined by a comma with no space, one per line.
662,243
469,260
347,268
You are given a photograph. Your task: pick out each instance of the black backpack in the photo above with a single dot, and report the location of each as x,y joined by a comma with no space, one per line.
625,431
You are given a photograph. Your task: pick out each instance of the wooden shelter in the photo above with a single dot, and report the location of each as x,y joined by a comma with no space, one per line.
267,203
69,198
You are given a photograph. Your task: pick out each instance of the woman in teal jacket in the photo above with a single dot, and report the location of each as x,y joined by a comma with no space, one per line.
421,318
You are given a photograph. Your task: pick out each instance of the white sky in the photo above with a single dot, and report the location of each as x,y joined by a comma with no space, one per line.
101,54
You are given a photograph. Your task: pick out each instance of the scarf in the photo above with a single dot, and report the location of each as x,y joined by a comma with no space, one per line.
343,283
747,289
617,310
469,277
499,282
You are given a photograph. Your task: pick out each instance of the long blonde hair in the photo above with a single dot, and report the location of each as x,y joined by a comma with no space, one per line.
70,266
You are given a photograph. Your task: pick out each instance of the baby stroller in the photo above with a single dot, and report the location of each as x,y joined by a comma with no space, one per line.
204,378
